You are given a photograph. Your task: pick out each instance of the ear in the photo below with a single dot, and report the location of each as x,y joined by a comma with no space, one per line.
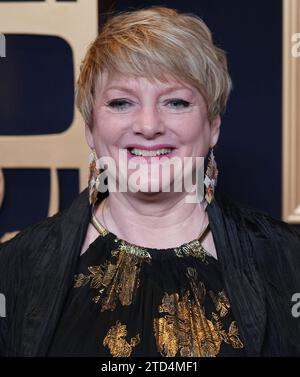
89,137
215,130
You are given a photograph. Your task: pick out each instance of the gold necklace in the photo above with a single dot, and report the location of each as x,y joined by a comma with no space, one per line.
99,227
193,248
104,231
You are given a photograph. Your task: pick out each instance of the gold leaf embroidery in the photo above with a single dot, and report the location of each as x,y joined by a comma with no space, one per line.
81,280
134,249
184,327
233,336
194,249
187,330
115,280
97,273
221,302
116,342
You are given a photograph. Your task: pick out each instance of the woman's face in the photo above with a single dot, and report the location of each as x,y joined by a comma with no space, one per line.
149,120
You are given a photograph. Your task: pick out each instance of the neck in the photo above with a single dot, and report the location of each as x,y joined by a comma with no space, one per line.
161,220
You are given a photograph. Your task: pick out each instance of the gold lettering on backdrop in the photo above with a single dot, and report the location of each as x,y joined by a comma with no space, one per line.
77,23
291,112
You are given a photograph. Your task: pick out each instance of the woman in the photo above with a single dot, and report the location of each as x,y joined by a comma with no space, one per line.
143,271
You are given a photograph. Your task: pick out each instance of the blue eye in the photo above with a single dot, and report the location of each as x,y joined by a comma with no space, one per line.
178,103
119,104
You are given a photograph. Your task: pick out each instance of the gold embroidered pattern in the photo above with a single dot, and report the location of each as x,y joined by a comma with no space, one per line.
221,302
116,342
117,279
232,337
134,249
194,249
184,327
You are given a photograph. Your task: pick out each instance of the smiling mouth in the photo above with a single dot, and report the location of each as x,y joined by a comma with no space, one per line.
150,153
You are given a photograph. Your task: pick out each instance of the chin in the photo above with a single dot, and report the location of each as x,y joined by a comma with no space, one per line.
151,186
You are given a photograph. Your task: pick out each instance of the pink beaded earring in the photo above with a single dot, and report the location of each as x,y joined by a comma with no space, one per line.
210,180
94,173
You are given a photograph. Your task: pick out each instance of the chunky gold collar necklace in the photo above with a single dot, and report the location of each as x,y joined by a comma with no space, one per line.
193,248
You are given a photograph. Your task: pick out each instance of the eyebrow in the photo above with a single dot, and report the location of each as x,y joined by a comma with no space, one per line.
132,91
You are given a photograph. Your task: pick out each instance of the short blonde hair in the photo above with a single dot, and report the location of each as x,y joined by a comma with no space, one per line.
156,43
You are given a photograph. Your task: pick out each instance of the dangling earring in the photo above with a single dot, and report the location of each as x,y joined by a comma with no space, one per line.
210,180
94,173
96,178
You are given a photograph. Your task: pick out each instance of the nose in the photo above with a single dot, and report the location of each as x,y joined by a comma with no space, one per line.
148,122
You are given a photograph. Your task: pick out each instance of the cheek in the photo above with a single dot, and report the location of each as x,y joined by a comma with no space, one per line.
106,128
194,128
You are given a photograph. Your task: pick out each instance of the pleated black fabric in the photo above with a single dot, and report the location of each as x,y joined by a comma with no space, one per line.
151,303
258,256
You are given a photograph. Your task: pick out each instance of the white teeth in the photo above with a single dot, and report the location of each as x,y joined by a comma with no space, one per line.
153,153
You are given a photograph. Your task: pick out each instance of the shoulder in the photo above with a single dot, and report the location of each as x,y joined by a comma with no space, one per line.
269,244
274,244
34,235
255,220
16,253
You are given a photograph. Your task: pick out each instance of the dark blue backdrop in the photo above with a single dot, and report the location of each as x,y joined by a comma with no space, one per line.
249,151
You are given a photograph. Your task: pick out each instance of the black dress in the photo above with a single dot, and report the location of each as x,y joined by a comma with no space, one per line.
260,261
128,300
